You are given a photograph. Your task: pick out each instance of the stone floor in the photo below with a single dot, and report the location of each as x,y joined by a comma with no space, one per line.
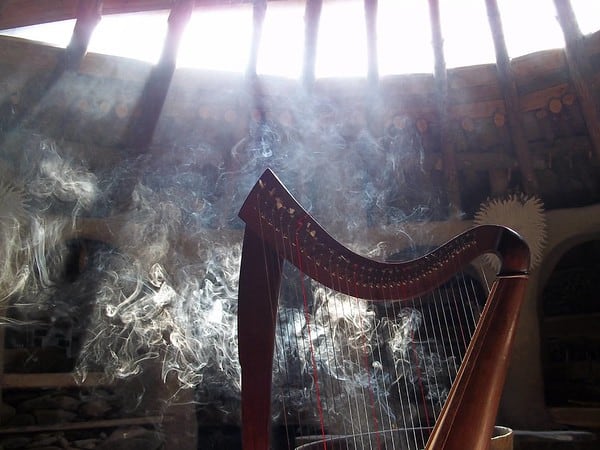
556,440
229,439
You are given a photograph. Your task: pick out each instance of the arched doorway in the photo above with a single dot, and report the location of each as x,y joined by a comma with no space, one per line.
571,336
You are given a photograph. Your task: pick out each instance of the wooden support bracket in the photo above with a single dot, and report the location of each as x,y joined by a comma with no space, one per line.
141,128
258,16
312,17
580,70
372,59
511,99
89,14
441,84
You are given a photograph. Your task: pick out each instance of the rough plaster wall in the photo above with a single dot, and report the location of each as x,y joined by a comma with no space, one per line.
523,404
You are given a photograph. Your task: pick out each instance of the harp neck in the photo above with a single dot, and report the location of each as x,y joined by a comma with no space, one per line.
275,216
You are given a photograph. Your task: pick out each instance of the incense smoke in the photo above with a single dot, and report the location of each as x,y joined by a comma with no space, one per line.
160,286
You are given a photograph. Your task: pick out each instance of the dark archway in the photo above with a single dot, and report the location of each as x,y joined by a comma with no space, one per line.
570,311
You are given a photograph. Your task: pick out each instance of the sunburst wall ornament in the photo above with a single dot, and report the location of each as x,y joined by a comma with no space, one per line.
522,213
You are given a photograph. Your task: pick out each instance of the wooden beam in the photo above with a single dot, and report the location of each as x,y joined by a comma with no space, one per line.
258,17
485,161
254,87
441,83
89,13
372,59
373,103
141,128
580,70
20,13
511,99
312,17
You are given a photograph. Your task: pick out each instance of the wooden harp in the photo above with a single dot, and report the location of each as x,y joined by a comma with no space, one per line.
278,229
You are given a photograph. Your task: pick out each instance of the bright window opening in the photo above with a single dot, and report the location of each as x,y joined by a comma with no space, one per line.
57,34
587,13
282,44
137,36
466,33
219,38
524,35
342,44
404,37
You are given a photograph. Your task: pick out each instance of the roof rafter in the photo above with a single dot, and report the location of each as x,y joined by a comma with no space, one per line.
20,13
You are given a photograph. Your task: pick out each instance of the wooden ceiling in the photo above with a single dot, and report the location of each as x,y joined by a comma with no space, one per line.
581,70
19,13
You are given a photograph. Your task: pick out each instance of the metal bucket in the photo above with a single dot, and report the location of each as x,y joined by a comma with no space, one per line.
502,439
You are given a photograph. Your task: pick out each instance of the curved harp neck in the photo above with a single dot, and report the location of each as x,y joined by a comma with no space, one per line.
273,214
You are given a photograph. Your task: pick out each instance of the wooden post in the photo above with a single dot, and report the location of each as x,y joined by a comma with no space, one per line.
21,13
258,17
441,84
372,60
580,70
499,180
511,99
140,130
373,103
252,83
89,13
312,16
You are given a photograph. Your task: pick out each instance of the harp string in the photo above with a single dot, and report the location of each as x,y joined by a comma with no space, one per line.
311,346
452,324
457,337
385,411
410,431
279,350
472,302
349,311
392,305
448,361
365,361
356,349
467,306
437,382
312,330
418,365
329,305
299,345
338,365
417,341
413,320
286,334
